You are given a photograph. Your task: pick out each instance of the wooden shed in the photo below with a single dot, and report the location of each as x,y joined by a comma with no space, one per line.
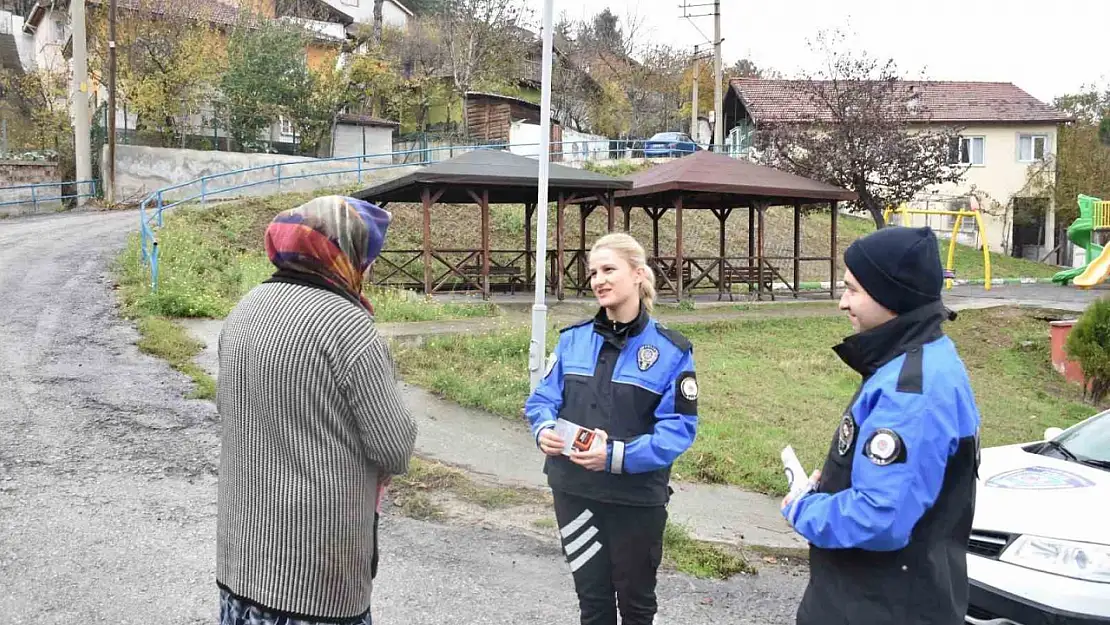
490,117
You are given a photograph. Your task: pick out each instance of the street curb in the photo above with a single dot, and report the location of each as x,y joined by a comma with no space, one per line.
824,286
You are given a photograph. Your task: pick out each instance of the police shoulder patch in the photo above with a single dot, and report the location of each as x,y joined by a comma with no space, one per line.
577,324
686,397
674,336
884,447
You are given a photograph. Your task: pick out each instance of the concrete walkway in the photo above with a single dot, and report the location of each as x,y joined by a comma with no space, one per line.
503,451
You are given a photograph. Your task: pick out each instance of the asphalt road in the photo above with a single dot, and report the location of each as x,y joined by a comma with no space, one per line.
108,484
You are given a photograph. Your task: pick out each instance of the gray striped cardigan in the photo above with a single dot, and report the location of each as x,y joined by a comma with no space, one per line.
311,420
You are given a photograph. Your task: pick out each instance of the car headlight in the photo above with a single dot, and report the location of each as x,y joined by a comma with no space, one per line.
1063,557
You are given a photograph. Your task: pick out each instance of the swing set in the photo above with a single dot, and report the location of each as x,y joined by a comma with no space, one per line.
973,213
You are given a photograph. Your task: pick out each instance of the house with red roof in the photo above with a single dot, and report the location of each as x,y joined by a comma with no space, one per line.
1007,139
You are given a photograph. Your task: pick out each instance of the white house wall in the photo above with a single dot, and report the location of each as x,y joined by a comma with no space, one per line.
351,140
1001,177
362,11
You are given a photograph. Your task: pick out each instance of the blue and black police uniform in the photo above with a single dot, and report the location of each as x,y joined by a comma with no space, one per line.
889,520
636,381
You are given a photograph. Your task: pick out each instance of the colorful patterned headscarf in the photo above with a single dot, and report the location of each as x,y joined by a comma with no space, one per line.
331,238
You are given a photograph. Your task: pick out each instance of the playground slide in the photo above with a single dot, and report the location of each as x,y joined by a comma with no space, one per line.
1096,271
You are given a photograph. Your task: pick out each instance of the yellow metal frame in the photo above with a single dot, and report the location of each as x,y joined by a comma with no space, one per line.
1100,216
905,210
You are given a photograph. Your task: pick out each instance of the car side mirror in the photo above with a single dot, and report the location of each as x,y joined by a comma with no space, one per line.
1052,433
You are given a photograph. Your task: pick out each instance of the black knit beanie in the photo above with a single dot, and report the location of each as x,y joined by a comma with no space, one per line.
898,267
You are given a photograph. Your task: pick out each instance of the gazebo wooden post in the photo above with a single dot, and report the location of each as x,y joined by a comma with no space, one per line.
797,247
529,210
722,216
426,200
485,244
627,218
678,244
559,246
751,238
584,211
610,211
655,215
761,208
832,251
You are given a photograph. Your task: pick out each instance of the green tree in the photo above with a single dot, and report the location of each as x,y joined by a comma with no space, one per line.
1083,158
168,63
267,75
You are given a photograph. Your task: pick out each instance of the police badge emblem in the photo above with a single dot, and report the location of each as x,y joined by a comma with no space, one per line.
689,388
847,434
646,357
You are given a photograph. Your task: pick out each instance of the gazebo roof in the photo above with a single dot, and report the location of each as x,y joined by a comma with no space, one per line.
509,179
709,180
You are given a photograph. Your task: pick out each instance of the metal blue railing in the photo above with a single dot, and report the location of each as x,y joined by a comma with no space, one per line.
153,207
31,194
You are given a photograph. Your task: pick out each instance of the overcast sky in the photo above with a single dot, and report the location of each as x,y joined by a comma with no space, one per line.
1046,48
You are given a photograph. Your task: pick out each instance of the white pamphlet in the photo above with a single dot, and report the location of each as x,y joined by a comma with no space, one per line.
797,481
574,436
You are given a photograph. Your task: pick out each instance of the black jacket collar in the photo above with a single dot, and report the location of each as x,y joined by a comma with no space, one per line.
867,351
619,333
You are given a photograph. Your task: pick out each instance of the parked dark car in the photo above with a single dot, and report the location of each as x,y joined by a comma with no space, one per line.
669,144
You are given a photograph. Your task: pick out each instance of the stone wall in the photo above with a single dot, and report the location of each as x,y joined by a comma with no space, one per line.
141,170
44,199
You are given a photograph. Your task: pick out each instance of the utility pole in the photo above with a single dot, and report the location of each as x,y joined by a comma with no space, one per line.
80,95
718,97
538,345
110,183
694,99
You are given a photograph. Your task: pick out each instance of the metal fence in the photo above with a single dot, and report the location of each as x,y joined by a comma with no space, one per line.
46,193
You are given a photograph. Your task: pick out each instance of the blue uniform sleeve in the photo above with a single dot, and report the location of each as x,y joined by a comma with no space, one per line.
676,420
542,406
898,468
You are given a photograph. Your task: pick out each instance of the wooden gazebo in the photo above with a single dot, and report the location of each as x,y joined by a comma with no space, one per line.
718,183
484,177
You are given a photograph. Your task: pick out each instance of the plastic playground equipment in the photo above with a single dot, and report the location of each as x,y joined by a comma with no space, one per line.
1094,216
949,273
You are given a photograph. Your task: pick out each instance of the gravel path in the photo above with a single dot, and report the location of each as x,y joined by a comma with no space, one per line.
108,486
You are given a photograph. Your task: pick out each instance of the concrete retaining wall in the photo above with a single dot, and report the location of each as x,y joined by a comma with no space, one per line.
141,170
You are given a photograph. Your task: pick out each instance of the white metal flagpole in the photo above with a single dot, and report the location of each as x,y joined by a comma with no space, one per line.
538,345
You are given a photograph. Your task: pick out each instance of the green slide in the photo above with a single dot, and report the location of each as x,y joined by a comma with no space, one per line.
1079,233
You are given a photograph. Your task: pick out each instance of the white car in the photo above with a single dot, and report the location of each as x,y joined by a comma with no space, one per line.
1039,552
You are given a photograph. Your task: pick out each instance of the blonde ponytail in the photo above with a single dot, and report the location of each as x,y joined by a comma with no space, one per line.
633,253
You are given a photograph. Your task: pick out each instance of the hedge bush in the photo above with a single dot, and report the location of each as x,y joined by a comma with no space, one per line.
1089,344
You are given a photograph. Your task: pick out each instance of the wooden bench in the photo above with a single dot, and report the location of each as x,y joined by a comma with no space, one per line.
511,273
742,274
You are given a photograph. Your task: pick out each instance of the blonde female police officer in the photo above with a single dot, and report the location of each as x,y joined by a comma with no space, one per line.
633,380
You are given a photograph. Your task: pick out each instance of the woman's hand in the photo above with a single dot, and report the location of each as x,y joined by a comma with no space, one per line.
597,457
551,443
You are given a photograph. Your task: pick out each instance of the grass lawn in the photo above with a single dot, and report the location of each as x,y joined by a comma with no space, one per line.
772,382
967,261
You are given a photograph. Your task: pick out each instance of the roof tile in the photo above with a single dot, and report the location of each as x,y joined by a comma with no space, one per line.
786,101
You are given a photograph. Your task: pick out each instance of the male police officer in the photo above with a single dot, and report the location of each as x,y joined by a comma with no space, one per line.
889,515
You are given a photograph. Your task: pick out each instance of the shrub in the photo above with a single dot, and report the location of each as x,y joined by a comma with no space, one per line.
1089,344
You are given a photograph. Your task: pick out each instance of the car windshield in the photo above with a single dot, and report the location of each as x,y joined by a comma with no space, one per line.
667,136
1089,441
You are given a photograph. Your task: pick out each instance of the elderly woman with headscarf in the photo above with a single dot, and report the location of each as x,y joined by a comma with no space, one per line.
313,425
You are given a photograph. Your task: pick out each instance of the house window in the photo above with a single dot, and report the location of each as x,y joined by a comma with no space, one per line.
1031,147
967,151
286,128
